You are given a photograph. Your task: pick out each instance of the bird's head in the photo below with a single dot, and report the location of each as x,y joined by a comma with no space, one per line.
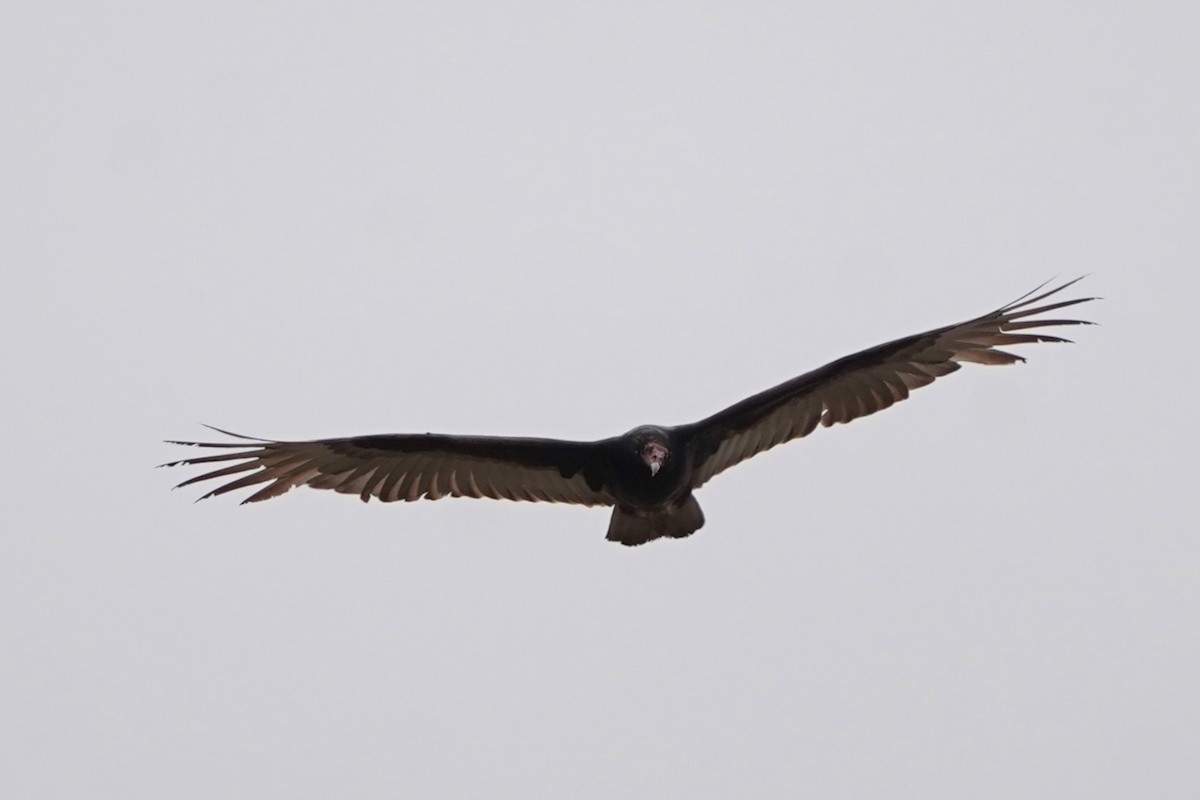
651,446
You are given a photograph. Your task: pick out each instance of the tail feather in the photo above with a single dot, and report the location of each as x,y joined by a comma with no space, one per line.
633,526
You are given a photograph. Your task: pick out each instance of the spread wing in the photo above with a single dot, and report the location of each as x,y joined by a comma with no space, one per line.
868,381
410,467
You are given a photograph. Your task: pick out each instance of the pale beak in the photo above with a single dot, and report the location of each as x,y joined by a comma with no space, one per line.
654,455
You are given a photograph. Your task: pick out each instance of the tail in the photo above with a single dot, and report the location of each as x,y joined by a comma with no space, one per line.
632,527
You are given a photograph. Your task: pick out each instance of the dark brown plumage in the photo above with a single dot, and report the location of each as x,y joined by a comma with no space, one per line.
648,474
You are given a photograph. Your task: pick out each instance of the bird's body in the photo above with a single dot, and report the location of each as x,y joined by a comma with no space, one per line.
648,474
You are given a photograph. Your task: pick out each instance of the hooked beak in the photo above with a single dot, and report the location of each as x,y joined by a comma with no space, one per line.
654,455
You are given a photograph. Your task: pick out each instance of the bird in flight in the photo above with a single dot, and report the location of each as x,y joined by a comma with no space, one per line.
648,474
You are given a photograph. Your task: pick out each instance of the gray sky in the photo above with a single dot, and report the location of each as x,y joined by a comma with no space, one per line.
312,220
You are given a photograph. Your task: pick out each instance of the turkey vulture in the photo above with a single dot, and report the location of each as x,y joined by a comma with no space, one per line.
647,475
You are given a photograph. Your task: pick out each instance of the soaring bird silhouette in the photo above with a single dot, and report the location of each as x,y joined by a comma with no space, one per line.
648,474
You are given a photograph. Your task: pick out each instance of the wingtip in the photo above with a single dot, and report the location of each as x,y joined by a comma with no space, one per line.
1036,294
234,435
1034,290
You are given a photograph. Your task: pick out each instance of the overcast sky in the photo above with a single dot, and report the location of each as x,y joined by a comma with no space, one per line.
323,219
